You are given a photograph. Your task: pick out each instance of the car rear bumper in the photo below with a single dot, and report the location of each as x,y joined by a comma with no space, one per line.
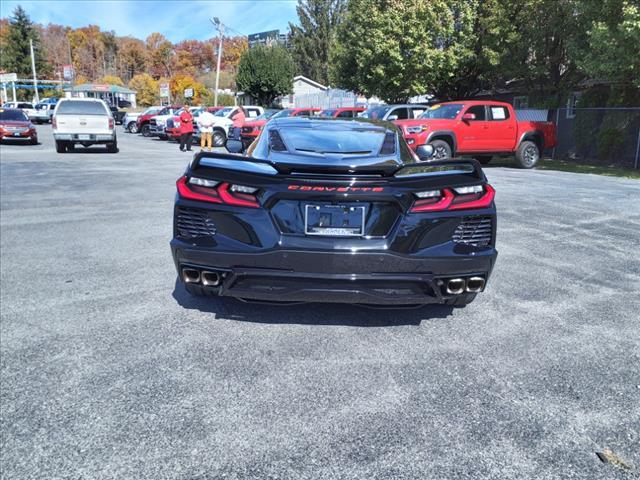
79,137
379,278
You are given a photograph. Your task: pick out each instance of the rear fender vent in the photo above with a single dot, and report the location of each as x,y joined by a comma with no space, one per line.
192,222
476,231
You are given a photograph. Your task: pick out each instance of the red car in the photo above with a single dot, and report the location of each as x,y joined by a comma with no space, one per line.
143,122
250,130
15,125
480,129
342,112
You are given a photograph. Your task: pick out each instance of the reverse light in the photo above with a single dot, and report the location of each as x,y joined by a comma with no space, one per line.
203,182
243,189
428,194
461,198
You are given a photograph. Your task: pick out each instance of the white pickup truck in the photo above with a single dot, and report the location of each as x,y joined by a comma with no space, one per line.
87,121
224,119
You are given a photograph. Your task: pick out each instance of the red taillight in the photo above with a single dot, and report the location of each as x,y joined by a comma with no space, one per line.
54,123
110,123
449,201
218,194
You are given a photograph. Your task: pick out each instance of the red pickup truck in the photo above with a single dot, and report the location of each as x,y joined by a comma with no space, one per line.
480,129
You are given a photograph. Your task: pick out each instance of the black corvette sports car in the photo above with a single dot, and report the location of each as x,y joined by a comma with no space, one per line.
333,211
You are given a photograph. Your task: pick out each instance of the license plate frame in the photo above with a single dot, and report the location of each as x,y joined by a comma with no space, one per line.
317,214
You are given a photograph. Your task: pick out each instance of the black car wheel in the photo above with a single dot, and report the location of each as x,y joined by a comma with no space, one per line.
61,147
132,127
528,154
219,138
146,131
112,147
441,150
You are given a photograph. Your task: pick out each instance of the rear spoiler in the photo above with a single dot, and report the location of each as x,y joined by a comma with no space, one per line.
470,169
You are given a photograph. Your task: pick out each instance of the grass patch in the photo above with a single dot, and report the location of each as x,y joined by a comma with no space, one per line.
565,166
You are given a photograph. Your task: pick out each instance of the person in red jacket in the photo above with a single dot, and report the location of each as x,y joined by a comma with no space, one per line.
186,129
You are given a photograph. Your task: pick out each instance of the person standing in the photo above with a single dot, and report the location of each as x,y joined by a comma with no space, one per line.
238,119
205,123
186,129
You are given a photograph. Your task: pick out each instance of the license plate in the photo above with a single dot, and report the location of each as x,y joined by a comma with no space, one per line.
84,137
16,134
334,220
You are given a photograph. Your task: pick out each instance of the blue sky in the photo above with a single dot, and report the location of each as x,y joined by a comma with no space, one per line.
177,20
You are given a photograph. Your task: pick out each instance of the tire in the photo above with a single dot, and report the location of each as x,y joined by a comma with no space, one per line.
483,159
34,141
527,154
132,127
461,300
219,138
163,137
441,150
61,147
112,147
146,131
71,147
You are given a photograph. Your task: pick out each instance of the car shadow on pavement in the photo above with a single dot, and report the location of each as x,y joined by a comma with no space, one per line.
86,150
308,313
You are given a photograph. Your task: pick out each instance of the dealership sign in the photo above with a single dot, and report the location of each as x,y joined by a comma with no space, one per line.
67,72
8,77
164,89
188,92
264,38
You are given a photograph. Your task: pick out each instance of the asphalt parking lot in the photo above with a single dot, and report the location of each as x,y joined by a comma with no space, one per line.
110,370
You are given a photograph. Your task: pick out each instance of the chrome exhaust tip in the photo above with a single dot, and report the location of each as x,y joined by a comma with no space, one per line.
475,284
455,286
210,279
190,275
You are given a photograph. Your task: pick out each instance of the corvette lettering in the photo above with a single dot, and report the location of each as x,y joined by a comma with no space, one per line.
309,188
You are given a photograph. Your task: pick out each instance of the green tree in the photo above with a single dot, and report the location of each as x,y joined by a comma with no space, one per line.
16,56
265,73
394,49
311,40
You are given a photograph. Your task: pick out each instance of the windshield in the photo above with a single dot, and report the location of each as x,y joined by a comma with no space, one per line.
266,115
327,113
364,141
13,115
283,113
75,107
375,112
448,112
223,112
149,111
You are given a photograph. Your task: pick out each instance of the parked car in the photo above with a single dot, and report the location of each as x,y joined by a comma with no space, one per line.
143,121
252,128
341,112
224,120
172,125
480,129
85,121
157,123
15,125
346,214
44,112
26,107
393,112
118,116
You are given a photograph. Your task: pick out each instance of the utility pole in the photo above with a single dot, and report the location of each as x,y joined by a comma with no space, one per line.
216,22
33,67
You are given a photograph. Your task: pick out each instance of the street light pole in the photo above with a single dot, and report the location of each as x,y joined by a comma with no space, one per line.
220,27
33,67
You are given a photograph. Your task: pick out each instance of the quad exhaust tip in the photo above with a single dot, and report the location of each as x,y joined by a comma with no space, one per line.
190,275
475,284
210,279
455,286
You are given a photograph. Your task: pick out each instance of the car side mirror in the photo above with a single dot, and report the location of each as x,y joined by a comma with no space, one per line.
233,146
391,118
425,152
468,117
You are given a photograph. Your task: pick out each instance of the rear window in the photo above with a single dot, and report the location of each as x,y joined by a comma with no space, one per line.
25,105
13,115
326,141
81,108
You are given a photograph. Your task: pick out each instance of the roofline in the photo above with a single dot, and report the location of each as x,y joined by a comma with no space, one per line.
312,82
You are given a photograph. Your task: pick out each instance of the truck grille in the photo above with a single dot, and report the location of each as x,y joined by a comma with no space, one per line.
194,223
476,231
170,123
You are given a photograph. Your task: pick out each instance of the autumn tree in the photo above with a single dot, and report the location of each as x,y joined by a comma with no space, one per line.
132,57
180,83
311,40
112,80
88,52
56,46
16,54
159,55
146,88
265,73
